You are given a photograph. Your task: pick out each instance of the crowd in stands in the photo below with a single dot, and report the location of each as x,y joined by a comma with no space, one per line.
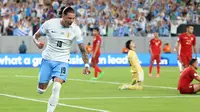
118,18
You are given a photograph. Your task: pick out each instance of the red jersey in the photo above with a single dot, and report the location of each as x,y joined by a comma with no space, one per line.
96,40
155,45
187,77
186,42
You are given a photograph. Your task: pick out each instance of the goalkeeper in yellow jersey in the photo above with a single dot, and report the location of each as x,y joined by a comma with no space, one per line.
136,69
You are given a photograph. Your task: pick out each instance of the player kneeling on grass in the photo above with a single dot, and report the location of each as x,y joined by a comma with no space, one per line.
187,76
136,69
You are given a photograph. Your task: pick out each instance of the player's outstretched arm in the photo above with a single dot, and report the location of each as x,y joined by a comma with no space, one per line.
85,58
36,37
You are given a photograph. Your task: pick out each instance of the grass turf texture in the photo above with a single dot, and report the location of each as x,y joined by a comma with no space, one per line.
104,95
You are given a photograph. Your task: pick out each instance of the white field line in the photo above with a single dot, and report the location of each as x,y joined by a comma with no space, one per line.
134,97
105,82
44,101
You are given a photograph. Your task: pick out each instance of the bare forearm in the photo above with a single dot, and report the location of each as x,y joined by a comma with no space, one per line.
150,50
177,48
195,51
83,53
36,36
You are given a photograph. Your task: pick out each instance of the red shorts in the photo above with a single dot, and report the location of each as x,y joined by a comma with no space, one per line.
155,57
95,60
185,60
187,89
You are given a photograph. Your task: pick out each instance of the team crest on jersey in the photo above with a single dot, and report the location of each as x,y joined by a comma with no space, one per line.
68,35
157,43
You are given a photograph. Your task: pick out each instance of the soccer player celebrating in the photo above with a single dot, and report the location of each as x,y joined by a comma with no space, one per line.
136,69
187,76
60,33
96,53
184,47
155,51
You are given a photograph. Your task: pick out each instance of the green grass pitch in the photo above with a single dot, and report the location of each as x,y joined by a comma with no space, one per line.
18,92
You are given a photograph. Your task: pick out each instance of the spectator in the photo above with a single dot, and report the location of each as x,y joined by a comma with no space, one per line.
166,48
22,48
113,17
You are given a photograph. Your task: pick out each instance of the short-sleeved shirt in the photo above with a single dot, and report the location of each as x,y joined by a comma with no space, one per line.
186,42
155,45
96,40
59,39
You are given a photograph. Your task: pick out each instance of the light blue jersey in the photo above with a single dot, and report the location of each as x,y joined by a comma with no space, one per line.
56,54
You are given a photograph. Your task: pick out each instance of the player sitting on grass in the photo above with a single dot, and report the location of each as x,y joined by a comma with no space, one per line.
187,76
136,69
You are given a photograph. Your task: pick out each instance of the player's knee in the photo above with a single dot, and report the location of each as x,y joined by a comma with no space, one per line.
41,91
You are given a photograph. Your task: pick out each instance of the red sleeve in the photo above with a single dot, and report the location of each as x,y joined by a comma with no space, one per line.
194,74
99,40
194,41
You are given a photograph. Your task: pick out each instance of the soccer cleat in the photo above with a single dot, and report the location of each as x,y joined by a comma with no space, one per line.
157,75
123,87
135,87
94,78
101,74
150,75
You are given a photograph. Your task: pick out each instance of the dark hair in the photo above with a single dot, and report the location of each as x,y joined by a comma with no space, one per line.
189,25
89,43
192,61
96,28
166,43
67,10
128,44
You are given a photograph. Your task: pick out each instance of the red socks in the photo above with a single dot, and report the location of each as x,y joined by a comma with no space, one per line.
96,70
151,66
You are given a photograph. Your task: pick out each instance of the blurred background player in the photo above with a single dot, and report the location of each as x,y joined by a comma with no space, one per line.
155,51
184,47
187,76
166,48
96,53
136,69
125,50
89,48
60,33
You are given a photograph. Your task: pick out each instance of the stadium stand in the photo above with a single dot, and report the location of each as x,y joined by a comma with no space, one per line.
115,18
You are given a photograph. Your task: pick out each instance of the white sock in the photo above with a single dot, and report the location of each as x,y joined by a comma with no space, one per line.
180,66
53,101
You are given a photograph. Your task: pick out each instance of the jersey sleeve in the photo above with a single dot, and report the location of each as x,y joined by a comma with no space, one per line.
99,40
79,35
43,29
